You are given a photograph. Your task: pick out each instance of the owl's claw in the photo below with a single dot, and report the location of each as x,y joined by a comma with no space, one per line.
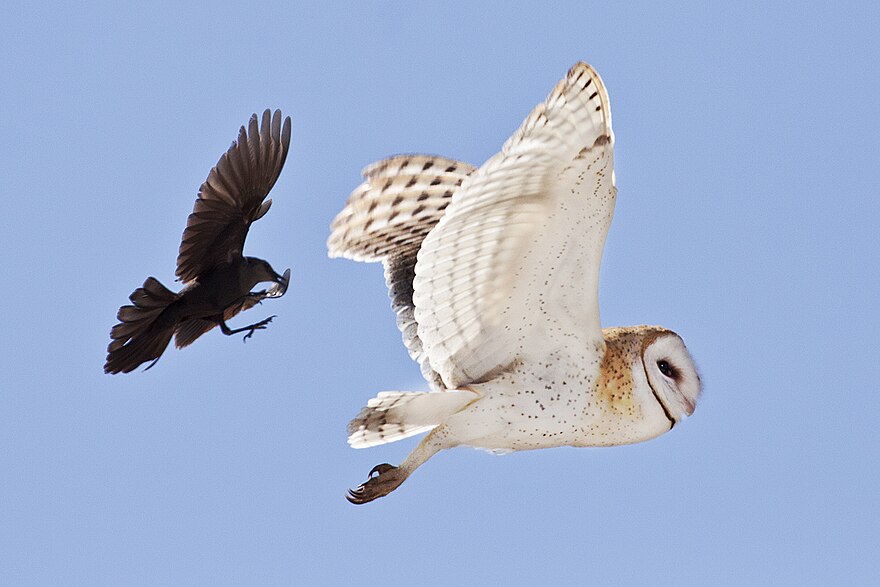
379,469
387,479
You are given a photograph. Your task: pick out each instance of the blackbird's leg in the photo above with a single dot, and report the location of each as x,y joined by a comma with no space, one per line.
261,325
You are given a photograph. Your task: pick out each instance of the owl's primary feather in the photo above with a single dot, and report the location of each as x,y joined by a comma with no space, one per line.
400,200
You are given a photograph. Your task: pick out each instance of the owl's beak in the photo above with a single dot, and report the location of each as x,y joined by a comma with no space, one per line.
689,406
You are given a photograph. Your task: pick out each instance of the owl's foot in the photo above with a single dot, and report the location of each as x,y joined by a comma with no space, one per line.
387,479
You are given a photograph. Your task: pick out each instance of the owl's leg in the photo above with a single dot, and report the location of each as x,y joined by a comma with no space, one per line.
389,477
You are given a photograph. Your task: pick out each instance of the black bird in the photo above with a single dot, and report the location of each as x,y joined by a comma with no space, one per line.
218,278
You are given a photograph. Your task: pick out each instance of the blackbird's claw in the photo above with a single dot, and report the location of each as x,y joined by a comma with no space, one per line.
261,325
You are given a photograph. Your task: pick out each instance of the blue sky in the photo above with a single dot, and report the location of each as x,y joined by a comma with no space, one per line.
746,221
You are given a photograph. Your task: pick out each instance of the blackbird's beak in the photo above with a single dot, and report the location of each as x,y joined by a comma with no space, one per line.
280,286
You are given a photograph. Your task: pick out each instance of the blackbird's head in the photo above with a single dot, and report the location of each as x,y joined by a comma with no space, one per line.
260,271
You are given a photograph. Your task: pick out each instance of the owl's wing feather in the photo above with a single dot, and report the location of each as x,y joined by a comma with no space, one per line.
401,199
232,197
517,251
387,217
399,275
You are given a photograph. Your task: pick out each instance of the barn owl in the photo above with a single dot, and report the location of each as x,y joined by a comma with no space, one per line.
493,274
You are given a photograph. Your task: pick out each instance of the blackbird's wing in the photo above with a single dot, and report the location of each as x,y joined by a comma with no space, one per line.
233,195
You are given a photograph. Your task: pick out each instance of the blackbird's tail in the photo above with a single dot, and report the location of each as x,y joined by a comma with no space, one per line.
144,329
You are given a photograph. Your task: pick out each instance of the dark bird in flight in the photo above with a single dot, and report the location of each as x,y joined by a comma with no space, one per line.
218,277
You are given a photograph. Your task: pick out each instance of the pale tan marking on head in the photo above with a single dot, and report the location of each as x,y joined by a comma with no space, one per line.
623,350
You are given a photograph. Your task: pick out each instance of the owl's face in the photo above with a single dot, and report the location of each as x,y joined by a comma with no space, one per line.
671,372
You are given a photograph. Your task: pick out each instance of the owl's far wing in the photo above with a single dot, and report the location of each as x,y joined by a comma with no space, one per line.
517,252
386,218
233,195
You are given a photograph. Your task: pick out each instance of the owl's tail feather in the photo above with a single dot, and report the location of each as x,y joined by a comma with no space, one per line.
395,415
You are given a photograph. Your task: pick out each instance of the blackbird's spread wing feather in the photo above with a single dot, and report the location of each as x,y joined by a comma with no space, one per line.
233,195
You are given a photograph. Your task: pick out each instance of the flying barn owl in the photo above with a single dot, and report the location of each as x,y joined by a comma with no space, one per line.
493,274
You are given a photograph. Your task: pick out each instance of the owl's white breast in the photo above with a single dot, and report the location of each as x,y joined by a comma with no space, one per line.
563,399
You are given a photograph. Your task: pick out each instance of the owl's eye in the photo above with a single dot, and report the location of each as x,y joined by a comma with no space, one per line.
666,369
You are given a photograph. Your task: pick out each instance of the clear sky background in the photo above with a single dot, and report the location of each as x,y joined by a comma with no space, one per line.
747,221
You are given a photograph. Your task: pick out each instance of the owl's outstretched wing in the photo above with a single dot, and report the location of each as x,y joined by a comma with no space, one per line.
233,195
387,217
516,255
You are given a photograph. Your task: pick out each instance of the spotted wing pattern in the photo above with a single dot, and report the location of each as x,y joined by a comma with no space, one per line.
400,200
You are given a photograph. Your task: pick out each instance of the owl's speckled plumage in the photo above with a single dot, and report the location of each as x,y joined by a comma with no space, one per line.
493,272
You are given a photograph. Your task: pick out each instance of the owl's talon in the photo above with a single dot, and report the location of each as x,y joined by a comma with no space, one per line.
387,478
379,469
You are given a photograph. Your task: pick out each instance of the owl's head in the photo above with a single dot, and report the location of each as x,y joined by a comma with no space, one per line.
671,372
